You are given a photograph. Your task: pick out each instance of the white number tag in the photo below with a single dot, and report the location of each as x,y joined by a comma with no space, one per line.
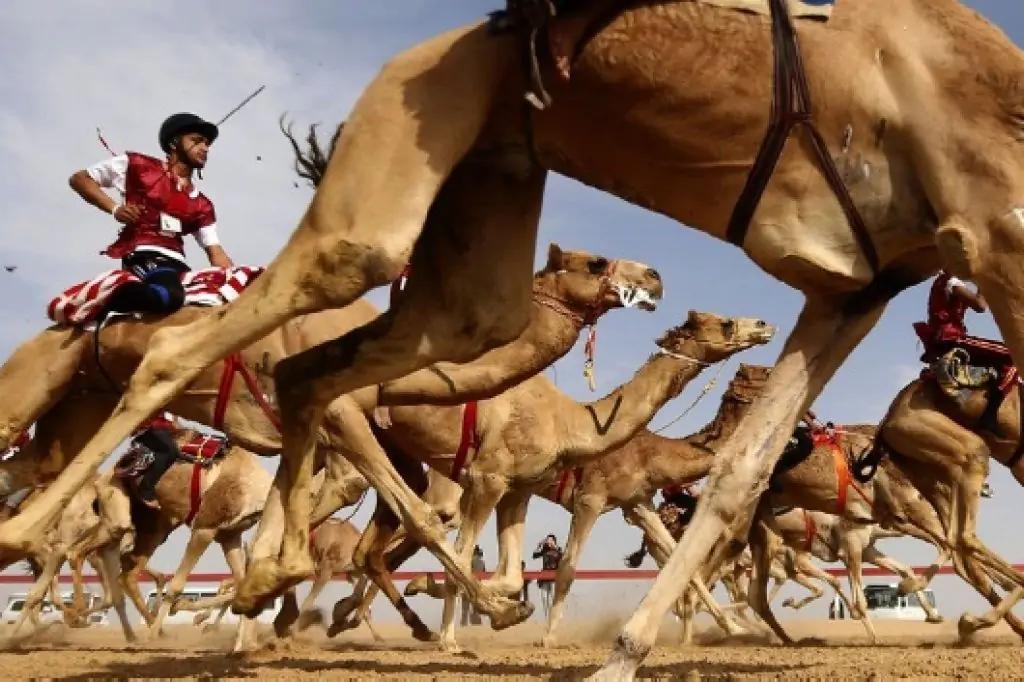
169,223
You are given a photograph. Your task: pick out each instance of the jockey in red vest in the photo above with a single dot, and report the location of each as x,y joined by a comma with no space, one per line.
161,206
948,302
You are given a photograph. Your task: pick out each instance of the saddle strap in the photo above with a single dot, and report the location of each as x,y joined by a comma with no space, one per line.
195,490
468,439
791,106
234,364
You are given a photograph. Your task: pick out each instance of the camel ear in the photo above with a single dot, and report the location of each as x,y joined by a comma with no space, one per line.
555,258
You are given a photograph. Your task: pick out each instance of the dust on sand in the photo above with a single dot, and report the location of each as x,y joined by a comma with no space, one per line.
840,651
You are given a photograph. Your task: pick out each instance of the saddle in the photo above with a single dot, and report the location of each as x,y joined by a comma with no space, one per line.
201,450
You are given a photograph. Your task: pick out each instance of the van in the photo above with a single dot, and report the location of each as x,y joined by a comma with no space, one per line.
194,593
885,602
48,613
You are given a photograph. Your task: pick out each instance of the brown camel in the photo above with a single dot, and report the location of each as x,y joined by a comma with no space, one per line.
460,193
943,439
530,433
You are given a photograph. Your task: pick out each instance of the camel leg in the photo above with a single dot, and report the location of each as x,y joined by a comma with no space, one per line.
584,516
873,555
764,545
111,560
33,602
342,487
478,501
800,578
660,540
507,578
307,615
420,519
198,542
820,342
853,544
360,228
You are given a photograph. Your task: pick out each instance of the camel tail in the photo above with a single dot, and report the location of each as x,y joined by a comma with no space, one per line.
636,558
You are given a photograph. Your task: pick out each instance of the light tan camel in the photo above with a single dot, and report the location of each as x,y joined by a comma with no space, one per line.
461,192
943,443
80,516
526,435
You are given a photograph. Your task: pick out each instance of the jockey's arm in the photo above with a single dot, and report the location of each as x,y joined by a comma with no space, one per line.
89,183
218,256
208,238
976,301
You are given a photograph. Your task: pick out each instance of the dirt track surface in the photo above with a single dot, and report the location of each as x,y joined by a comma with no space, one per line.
907,650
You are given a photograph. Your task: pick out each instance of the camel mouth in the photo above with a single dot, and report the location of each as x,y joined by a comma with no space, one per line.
635,297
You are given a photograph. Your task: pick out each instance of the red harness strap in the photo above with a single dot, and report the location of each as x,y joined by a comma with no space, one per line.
203,448
467,441
844,480
233,364
564,482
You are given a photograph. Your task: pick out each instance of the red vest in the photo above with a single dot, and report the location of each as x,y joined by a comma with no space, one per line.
161,421
150,186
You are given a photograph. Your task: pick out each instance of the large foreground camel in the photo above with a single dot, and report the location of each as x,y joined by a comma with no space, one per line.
460,192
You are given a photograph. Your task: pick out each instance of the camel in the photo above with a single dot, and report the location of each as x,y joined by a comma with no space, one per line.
943,439
460,192
527,435
222,503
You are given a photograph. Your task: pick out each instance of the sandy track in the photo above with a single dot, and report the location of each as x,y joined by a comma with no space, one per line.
906,650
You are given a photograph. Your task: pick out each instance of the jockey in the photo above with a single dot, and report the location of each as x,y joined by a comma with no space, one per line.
948,302
161,206
157,436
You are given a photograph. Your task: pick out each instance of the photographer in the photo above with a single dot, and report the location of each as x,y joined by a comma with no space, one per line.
550,555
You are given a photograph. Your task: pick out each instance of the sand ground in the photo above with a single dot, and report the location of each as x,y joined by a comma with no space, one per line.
831,650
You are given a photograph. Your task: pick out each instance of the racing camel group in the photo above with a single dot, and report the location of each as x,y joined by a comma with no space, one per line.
912,166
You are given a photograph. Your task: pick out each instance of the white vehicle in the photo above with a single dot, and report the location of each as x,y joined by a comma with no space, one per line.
48,613
885,602
195,593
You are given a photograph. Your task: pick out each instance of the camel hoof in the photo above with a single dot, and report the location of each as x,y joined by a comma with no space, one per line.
264,582
424,634
450,647
514,614
417,585
967,626
339,626
935,620
548,642
308,619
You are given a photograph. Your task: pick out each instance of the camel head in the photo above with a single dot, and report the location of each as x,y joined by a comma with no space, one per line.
712,338
590,284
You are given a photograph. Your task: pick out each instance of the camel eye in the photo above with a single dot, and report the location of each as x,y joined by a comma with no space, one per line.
597,266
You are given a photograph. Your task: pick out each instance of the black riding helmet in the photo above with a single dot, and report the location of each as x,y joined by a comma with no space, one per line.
182,124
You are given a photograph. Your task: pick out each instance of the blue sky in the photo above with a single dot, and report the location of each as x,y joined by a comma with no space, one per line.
124,66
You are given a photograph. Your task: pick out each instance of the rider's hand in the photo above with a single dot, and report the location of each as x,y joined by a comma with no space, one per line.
127,213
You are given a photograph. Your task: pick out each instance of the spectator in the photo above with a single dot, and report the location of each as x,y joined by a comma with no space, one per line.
550,555
469,612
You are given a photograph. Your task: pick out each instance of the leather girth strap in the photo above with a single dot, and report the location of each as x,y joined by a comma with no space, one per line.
791,107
